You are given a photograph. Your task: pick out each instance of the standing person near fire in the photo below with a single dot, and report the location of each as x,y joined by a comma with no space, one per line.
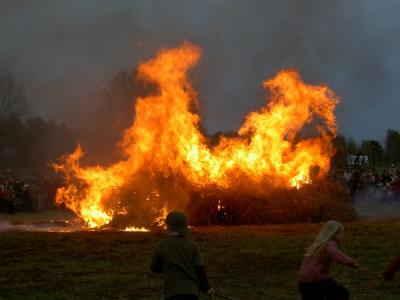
315,282
180,260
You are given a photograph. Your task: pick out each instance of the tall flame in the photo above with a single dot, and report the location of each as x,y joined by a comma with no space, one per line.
165,138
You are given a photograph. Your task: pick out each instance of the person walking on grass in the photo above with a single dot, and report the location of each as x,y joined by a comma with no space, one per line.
315,282
180,260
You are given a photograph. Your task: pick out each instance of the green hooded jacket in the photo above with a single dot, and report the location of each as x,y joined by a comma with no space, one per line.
178,257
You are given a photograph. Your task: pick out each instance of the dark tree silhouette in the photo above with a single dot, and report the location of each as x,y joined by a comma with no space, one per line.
374,150
392,146
12,97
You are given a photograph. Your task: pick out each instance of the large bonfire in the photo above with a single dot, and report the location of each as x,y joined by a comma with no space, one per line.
169,164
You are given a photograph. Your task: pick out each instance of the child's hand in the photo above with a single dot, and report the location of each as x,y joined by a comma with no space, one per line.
211,292
355,264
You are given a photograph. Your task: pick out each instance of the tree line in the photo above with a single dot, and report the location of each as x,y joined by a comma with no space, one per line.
28,143
379,153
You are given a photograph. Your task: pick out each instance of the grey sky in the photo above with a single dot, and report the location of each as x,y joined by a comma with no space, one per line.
62,50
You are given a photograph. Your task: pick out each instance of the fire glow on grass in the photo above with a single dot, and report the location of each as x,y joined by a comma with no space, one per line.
165,138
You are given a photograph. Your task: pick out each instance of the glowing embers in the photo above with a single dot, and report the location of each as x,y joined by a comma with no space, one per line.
136,229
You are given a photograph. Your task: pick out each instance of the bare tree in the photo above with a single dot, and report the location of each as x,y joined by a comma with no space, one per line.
12,97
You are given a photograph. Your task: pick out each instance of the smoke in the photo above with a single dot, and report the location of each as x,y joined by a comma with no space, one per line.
376,203
51,226
62,51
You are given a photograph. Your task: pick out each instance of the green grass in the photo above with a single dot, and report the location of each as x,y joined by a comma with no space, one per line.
245,262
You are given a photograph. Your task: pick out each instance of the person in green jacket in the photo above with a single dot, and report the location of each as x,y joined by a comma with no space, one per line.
179,259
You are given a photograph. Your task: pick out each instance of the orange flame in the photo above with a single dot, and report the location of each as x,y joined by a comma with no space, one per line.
136,229
165,138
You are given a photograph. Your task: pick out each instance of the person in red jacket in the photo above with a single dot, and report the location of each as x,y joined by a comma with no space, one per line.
392,269
315,282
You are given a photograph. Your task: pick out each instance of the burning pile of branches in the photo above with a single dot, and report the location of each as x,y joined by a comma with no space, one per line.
323,200
271,171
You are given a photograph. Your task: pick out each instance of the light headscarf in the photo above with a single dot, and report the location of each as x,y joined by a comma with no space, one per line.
327,232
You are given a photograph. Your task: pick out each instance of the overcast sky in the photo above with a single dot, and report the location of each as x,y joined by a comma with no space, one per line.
62,50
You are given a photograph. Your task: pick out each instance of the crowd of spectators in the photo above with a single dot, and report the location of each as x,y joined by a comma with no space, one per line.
383,184
26,193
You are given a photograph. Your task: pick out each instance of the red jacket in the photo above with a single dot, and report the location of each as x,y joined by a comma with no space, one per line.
392,269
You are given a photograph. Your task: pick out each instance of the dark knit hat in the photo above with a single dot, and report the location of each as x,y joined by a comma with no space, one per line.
177,221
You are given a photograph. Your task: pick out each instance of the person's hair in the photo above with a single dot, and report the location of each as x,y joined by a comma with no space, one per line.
326,234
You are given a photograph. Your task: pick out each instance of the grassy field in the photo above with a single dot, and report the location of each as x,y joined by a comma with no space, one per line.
245,262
